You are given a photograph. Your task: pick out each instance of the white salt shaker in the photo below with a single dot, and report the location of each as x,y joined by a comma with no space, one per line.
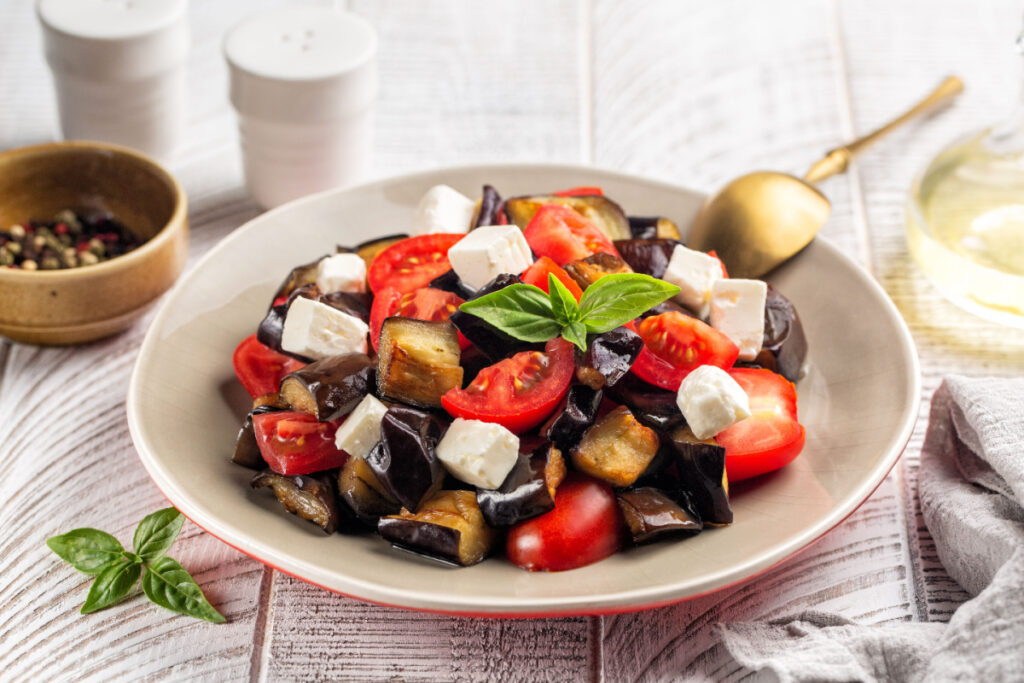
119,70
303,81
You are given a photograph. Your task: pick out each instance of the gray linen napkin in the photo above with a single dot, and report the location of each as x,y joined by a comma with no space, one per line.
971,486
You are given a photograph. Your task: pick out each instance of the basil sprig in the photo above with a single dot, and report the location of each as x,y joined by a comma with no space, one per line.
165,582
528,314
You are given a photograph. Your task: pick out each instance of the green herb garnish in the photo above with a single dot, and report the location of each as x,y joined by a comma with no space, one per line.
165,582
528,314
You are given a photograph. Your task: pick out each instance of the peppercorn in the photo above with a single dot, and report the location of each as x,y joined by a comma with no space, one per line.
68,241
29,265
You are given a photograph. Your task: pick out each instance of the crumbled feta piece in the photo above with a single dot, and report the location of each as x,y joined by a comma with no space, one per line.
360,431
478,453
737,311
693,272
711,400
489,251
341,273
443,209
316,330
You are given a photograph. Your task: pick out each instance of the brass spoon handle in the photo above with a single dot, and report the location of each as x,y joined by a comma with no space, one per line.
838,159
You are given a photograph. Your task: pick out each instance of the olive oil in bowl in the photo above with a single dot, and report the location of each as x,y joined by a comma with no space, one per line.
965,225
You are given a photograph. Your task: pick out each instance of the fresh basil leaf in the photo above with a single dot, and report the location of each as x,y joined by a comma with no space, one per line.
87,550
521,310
563,303
112,584
576,333
167,584
620,297
156,533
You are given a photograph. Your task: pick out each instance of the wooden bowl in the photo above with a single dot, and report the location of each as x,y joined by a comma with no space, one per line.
78,305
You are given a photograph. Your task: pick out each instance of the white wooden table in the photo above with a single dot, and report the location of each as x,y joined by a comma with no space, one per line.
690,92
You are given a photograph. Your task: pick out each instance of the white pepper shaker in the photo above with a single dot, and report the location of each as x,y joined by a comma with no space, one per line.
303,81
119,70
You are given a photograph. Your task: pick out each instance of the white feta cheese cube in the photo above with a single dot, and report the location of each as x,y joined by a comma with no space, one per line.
316,330
341,273
489,251
711,400
693,272
443,209
478,453
360,431
737,311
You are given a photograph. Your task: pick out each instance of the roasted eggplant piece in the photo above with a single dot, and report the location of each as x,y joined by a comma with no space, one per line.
368,250
404,461
649,514
654,407
450,282
488,209
603,213
360,489
247,450
648,256
700,466
310,497
651,227
528,490
355,304
494,343
669,306
449,526
618,449
784,348
298,277
566,426
591,269
418,361
331,387
609,357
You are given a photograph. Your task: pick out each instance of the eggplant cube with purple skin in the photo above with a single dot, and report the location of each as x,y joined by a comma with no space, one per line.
418,361
448,526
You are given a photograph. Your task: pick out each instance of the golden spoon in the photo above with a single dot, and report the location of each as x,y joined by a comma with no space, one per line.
761,219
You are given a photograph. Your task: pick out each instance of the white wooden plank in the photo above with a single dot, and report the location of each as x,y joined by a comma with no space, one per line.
699,93
887,60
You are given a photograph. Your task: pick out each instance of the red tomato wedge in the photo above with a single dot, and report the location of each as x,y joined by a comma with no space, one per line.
411,263
537,275
260,368
585,526
295,443
582,191
565,235
725,273
518,392
425,303
675,344
771,437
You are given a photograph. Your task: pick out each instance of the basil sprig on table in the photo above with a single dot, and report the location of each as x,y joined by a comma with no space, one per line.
165,582
528,314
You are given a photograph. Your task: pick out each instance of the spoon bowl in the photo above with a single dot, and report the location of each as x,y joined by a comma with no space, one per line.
758,221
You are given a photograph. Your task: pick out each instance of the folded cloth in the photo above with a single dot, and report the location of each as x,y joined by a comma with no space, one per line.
971,487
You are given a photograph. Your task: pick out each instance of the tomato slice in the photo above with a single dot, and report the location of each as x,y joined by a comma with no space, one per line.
411,263
565,235
585,526
537,275
582,191
260,368
675,344
425,303
295,443
518,392
771,437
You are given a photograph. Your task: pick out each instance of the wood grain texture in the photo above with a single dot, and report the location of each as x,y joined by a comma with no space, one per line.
976,42
693,93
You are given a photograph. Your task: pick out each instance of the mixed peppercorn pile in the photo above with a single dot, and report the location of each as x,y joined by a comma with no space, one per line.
70,240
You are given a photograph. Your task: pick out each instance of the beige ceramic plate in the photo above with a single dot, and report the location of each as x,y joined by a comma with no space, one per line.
858,401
